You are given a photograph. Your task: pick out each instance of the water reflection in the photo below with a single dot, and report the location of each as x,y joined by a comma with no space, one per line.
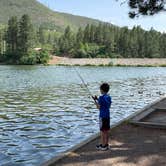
45,110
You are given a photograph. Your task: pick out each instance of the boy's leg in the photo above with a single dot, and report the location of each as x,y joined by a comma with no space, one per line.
107,137
102,138
102,141
104,133
106,123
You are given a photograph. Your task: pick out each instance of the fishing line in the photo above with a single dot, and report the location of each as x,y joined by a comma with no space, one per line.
82,80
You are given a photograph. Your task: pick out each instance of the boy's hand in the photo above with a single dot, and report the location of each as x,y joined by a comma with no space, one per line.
95,97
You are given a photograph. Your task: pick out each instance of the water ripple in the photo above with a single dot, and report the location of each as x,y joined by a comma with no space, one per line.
46,110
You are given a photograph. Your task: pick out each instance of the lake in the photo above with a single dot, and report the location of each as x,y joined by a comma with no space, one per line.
45,110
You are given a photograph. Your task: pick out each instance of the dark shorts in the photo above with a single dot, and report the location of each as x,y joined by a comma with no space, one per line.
104,124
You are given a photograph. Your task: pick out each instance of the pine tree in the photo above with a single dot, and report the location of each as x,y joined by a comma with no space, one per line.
49,39
79,36
12,37
3,32
123,42
92,33
67,33
1,42
155,41
107,40
41,35
145,7
99,34
26,35
66,42
162,42
87,34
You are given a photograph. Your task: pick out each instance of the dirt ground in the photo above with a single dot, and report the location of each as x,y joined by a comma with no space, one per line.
130,146
107,61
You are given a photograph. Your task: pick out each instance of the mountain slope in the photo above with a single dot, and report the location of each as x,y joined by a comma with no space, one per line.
40,14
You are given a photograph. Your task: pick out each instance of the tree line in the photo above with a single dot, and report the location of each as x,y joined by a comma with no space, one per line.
20,37
17,43
106,40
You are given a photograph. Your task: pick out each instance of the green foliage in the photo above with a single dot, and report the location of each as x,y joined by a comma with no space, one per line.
18,41
41,15
66,42
12,36
28,59
26,35
105,40
2,43
41,35
145,7
43,57
33,58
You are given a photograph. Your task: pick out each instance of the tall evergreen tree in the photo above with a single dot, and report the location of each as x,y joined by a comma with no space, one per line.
1,42
49,39
87,34
26,35
12,36
41,35
79,35
92,33
66,41
162,43
98,34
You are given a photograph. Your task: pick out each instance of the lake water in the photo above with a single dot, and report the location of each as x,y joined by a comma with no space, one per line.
45,110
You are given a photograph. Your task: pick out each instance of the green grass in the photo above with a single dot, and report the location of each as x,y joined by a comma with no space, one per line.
108,65
164,65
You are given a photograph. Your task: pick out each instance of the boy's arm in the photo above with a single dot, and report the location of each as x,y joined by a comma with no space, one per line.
95,98
97,104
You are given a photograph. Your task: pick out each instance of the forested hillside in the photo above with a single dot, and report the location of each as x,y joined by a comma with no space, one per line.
106,40
41,15
69,36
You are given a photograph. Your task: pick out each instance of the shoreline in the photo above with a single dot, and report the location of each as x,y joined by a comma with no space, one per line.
127,62
103,62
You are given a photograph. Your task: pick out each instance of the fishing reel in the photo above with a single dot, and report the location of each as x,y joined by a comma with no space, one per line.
95,98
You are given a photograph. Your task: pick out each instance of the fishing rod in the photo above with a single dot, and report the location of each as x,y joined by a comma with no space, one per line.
81,78
84,83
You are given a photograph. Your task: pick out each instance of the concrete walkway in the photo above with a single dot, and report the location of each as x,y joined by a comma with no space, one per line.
130,146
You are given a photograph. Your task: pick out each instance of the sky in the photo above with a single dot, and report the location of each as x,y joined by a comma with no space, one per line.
107,10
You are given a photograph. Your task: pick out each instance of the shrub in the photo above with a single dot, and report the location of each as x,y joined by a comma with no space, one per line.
30,59
43,57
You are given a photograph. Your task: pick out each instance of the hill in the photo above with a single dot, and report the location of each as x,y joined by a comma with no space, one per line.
41,15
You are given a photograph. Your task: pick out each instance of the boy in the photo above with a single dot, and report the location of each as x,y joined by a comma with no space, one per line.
103,103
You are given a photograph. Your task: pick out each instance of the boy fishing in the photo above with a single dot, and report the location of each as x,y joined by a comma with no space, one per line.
103,103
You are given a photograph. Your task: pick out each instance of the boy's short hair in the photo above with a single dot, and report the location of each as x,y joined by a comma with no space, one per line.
105,87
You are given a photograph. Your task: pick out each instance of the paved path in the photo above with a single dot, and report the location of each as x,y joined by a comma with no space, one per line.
130,146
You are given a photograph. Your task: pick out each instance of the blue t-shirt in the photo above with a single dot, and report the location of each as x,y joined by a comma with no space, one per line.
105,103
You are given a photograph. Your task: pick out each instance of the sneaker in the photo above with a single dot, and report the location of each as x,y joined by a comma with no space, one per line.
104,148
98,147
109,147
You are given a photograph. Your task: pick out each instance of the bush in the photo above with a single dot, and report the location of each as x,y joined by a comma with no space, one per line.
30,59
2,57
43,57
110,63
33,58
